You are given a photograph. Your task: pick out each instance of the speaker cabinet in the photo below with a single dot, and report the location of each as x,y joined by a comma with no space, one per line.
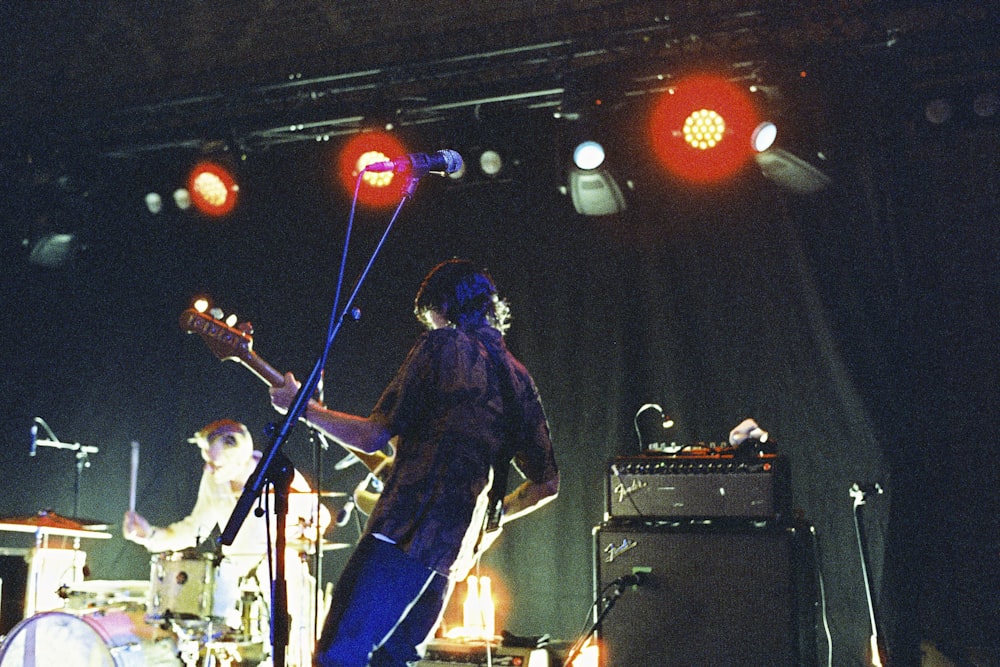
735,594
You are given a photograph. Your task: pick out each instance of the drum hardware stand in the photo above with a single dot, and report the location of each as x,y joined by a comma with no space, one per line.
279,475
222,654
322,445
83,453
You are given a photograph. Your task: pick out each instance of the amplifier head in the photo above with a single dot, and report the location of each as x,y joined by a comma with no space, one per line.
709,486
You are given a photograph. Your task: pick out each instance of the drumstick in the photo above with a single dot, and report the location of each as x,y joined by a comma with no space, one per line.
135,473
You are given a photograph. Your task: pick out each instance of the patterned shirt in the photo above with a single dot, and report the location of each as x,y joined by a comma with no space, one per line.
446,407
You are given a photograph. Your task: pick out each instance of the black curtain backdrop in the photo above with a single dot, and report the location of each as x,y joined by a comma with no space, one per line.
854,324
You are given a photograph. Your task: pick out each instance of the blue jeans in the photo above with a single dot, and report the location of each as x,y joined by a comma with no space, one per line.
384,606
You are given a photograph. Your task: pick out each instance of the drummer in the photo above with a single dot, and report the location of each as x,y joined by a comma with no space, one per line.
230,459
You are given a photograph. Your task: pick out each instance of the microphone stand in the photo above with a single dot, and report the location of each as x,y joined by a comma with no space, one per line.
609,603
83,453
273,464
876,649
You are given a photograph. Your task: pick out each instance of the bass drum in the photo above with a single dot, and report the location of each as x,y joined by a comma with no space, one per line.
101,638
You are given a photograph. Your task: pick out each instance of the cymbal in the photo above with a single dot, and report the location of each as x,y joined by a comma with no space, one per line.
50,523
309,546
92,524
47,521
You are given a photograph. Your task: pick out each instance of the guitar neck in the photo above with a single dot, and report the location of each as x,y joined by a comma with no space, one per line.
236,344
263,370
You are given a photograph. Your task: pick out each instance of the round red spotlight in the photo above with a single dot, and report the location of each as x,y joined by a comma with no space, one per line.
700,130
213,189
377,189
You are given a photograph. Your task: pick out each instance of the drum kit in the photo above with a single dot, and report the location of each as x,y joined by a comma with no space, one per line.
187,613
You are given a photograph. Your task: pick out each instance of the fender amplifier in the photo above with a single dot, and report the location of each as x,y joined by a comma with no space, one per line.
688,486
734,595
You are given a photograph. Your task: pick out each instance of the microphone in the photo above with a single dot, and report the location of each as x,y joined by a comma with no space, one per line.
34,440
344,515
419,164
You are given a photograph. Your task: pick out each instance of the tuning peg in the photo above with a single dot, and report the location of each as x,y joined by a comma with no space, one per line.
231,320
217,313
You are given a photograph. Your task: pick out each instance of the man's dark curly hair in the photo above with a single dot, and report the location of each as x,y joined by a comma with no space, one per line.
463,294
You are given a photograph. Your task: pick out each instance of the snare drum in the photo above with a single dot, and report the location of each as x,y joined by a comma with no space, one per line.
100,638
105,593
181,585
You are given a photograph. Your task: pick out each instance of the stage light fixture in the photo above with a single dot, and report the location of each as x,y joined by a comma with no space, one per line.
588,155
154,202
490,162
790,171
595,192
764,136
782,166
213,189
54,250
704,129
938,111
377,189
182,199
985,104
701,128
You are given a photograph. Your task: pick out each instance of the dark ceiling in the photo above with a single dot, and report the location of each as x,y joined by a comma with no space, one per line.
122,78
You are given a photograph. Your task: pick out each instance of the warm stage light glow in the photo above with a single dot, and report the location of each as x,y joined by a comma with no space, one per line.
377,189
213,189
701,130
704,129
478,611
589,656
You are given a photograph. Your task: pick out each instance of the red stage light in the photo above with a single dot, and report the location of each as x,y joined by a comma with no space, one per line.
377,189
701,129
213,189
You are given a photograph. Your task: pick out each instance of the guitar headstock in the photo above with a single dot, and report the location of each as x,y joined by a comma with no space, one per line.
224,341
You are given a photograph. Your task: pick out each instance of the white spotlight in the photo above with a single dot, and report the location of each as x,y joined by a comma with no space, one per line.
938,111
154,202
985,105
490,162
588,155
182,198
763,136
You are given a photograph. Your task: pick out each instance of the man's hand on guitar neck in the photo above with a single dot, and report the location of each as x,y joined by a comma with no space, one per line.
350,431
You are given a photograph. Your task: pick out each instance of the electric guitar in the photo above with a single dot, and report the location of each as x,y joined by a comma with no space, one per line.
235,343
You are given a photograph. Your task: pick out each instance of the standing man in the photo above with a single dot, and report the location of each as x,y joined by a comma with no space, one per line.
227,449
460,409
